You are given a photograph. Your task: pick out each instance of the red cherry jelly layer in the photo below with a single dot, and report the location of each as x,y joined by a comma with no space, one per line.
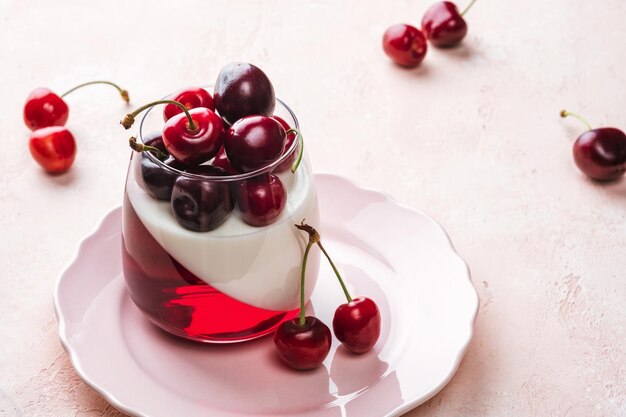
179,302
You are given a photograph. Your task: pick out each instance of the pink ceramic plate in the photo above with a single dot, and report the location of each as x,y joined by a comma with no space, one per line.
399,257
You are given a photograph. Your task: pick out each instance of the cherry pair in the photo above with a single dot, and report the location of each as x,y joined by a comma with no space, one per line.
599,153
51,144
443,25
304,342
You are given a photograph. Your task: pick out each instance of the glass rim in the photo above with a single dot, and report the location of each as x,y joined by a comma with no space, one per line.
229,177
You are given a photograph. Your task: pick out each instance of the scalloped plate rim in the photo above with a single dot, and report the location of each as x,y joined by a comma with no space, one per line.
397,412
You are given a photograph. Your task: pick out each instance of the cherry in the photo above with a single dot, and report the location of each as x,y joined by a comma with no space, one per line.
221,161
261,199
192,137
303,346
201,204
254,142
289,139
191,98
405,45
158,180
44,108
443,25
304,342
54,148
357,323
600,153
242,90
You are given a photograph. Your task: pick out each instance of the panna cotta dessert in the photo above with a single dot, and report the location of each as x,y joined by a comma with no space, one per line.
210,251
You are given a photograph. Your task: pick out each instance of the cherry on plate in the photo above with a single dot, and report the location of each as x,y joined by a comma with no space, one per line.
356,324
54,148
242,90
405,45
303,346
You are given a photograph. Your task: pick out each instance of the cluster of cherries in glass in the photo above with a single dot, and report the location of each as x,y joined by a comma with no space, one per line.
304,342
232,132
51,144
599,153
442,25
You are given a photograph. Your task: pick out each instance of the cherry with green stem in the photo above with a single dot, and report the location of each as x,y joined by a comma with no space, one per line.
599,153
44,108
303,342
191,137
356,323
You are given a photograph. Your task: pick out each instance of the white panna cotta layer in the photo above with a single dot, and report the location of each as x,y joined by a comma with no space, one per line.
259,266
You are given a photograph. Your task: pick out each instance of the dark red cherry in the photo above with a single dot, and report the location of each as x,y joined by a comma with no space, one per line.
191,98
158,180
203,204
443,25
254,142
357,324
242,90
405,45
303,346
44,108
289,139
194,146
599,153
221,161
54,148
261,199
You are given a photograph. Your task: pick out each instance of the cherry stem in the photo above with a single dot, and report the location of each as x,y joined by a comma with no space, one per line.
314,237
302,275
300,138
122,92
469,6
129,119
565,113
140,147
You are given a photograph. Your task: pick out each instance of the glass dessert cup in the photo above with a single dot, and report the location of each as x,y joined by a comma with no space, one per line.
233,283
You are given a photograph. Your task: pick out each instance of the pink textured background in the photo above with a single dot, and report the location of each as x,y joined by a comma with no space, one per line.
472,137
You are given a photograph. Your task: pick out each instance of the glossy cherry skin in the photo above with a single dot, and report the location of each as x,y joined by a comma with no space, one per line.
191,98
254,142
201,205
443,25
221,161
200,145
261,199
54,148
357,324
289,139
405,45
601,153
44,108
158,180
303,347
242,90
